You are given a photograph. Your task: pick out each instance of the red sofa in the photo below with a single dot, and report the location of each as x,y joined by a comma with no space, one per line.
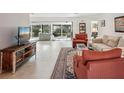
79,38
99,65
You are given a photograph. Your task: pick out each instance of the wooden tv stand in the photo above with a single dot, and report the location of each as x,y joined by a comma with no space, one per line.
15,56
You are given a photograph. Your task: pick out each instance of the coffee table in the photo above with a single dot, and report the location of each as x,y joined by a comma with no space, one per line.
79,48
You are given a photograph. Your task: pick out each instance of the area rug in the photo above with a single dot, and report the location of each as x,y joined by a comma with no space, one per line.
64,65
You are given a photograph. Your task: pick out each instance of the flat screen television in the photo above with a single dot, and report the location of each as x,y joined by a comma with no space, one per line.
23,35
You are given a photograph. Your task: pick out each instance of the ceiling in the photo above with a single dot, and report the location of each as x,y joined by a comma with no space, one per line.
61,14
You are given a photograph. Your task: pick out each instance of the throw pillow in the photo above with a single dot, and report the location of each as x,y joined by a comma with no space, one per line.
112,43
105,39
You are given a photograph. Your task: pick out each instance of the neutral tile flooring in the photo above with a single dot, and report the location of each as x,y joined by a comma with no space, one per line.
42,67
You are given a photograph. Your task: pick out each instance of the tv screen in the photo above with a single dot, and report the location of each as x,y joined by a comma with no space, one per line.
23,34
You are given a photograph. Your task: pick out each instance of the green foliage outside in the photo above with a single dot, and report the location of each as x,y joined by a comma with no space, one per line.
57,32
46,29
36,30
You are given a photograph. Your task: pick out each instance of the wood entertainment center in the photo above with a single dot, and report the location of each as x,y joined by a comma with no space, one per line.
15,56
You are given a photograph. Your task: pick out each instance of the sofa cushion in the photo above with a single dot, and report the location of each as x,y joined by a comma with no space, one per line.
89,55
121,42
113,41
105,39
100,46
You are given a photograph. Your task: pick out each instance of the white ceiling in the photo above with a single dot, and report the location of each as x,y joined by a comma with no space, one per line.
61,14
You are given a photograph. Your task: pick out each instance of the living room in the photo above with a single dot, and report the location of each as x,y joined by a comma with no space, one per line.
11,21
61,46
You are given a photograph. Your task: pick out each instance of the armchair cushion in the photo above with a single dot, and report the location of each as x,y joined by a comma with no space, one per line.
89,55
81,36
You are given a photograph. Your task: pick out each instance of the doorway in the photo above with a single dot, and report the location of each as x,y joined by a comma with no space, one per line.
94,29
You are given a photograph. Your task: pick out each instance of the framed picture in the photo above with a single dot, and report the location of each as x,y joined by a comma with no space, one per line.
119,24
102,23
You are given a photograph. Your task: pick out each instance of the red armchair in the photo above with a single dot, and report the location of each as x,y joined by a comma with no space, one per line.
79,38
96,65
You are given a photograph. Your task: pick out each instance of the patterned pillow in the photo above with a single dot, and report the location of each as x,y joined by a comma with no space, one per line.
105,39
113,41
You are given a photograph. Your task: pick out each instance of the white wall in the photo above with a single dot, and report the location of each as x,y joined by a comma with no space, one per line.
109,28
9,23
108,17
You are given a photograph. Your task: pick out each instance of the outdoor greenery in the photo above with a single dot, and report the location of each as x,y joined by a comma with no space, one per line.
66,30
58,30
46,29
36,30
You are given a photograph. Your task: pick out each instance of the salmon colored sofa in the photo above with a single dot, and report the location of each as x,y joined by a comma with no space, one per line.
79,38
99,65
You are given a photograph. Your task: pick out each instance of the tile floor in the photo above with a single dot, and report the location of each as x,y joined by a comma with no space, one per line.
42,67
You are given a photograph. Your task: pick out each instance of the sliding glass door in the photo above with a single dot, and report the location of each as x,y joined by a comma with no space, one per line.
61,31
66,30
46,29
35,30
56,30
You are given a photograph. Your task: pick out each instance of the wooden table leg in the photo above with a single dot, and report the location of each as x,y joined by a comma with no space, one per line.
1,61
14,63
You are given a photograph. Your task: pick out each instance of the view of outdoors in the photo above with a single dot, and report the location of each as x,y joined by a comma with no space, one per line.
66,30
62,30
58,30
46,28
35,30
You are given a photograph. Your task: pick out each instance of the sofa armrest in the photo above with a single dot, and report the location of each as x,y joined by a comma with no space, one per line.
93,64
122,51
79,68
106,69
78,61
97,40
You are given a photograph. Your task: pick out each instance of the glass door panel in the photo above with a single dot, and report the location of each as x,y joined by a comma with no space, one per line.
57,30
46,29
35,30
66,30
